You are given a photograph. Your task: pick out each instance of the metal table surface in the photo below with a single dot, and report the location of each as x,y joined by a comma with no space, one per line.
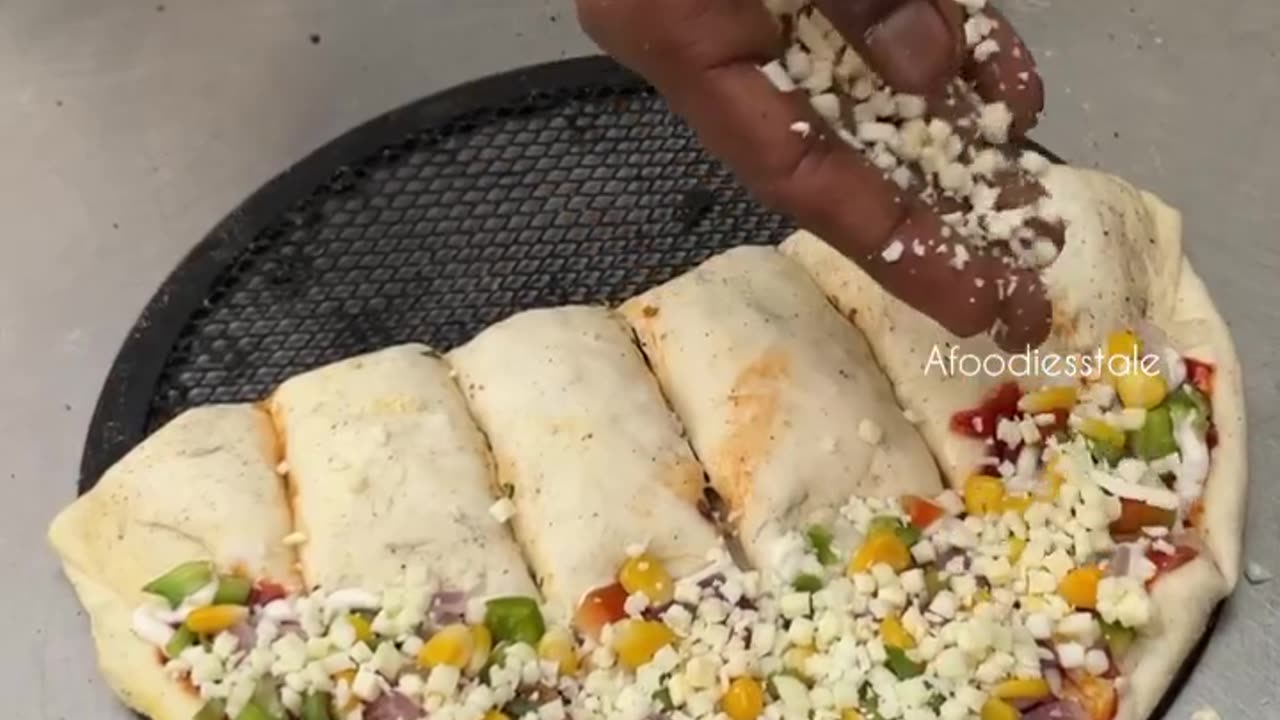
129,128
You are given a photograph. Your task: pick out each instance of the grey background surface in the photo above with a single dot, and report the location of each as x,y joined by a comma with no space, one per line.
128,128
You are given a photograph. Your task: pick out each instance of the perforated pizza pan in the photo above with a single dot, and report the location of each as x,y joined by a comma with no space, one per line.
561,183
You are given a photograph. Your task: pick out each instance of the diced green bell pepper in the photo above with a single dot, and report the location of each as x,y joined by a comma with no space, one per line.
1105,452
182,639
266,696
180,582
497,658
933,582
908,534
1119,638
515,619
315,706
807,583
901,665
662,696
820,540
1154,439
233,590
254,711
212,710
1187,400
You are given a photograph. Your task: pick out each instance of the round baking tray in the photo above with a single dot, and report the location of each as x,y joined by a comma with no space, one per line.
568,182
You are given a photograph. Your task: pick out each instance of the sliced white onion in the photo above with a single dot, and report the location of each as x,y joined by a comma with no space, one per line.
1194,468
151,628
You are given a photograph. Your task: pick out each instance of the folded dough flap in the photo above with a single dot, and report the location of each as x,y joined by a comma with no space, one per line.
1182,602
783,401
390,478
1197,330
204,487
1114,270
594,458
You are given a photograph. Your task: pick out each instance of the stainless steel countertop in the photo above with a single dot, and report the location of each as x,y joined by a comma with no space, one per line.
130,127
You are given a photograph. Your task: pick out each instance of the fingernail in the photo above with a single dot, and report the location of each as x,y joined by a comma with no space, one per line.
914,48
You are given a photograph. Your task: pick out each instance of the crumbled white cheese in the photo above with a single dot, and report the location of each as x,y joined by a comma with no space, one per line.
893,252
986,49
778,76
827,105
994,120
503,510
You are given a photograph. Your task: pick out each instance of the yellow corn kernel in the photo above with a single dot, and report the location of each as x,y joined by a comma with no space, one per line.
451,645
895,635
1017,503
348,676
883,546
744,700
1096,429
637,641
215,618
983,495
1022,689
796,659
850,714
1123,345
1049,399
1055,481
981,596
364,631
481,646
1140,390
496,715
644,574
997,709
1080,587
557,646
1016,547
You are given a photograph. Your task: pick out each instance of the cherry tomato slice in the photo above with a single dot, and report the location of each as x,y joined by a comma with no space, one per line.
922,512
600,607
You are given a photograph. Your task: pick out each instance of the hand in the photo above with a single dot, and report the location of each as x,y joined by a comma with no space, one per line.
704,57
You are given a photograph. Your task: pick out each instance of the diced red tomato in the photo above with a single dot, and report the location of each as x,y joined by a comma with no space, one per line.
1135,515
923,513
264,591
1195,514
1182,554
600,607
1095,695
1201,375
980,422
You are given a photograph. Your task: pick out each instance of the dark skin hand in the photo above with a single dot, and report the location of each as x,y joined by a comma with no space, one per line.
704,57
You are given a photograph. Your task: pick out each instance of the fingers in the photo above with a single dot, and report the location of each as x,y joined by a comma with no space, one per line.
917,46
1025,312
1007,71
706,65
704,57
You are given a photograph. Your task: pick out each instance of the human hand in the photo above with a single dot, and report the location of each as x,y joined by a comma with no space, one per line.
705,57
